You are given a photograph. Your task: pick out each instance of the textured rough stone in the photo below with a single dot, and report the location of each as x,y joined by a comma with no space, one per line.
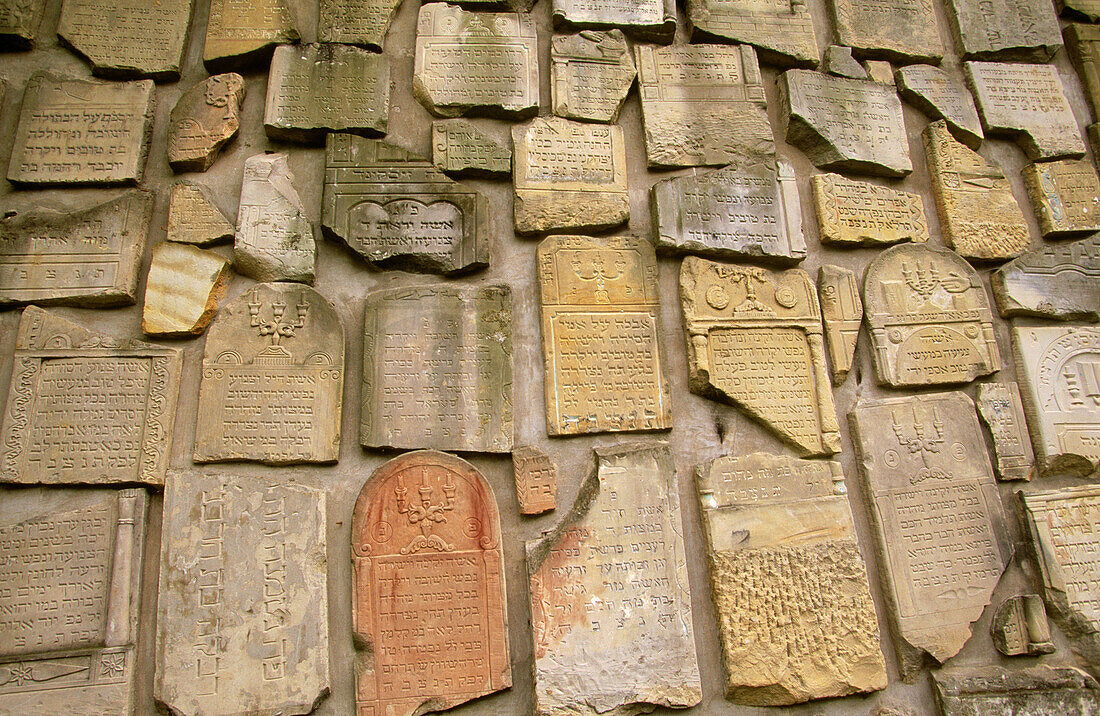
19,21
880,71
428,596
424,222
979,215
782,527
1059,282
272,379
1004,30
652,20
1066,197
1020,628
242,613
274,239
754,339
853,213
203,121
782,31
922,462
839,62
1038,691
437,368
194,218
355,22
184,288
1087,10
127,39
1002,411
569,175
610,599
83,258
87,408
241,35
460,148
902,30
1083,46
842,314
536,480
936,93
321,88
590,75
842,123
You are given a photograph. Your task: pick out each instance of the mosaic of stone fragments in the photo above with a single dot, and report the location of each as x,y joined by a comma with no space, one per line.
127,39
851,213
1060,282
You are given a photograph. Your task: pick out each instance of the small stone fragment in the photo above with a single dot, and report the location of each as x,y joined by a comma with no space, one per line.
1037,691
1000,408
1066,197
852,213
1020,627
880,71
127,39
839,62
184,288
536,480
1060,282
274,239
194,218
204,119
940,96
461,149
842,314
1004,30
782,31
243,35
1083,46
1084,10
903,31
19,21
590,75
650,20
355,22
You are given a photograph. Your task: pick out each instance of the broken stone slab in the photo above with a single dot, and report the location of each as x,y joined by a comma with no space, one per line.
425,222
194,218
609,584
845,124
842,314
1004,30
1083,10
536,480
590,75
903,31
1083,47
852,213
1037,691
243,35
203,121
839,62
461,149
242,613
127,39
1020,627
499,5
274,238
183,290
649,20
320,88
782,32
1065,196
1060,282
750,330
1001,409
19,21
880,71
86,258
355,22
936,93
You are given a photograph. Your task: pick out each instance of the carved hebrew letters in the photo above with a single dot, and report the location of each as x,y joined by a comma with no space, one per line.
1001,409
127,39
1060,282
853,213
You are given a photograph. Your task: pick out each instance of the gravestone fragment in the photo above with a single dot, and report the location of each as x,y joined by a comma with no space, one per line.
782,31
1002,411
194,218
590,75
203,121
1083,46
1086,10
853,213
127,39
19,21
460,148
1060,282
242,613
183,290
842,314
242,35
395,210
610,599
82,258
1004,30
650,20
902,31
428,580
85,408
272,379
1065,196
880,71
536,480
936,93
1020,627
355,22
937,519
274,238
1040,690
839,62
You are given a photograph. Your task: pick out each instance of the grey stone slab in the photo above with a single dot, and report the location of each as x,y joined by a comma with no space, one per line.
19,21
1002,411
243,35
194,217
650,20
183,289
590,75
274,239
782,32
203,121
937,93
839,61
460,148
1020,627
127,39
899,30
1059,282
852,213
841,315
1065,195
355,22
1038,691
1084,10
1004,30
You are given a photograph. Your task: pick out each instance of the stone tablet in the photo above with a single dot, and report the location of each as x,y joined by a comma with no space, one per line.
782,31
82,258
240,35
80,132
937,93
1059,282
203,121
71,585
880,71
604,367
794,608
355,22
1066,197
460,148
183,290
536,480
939,528
19,21
590,75
437,368
1002,411
703,105
899,30
1059,369
739,211
841,123
1020,627
755,340
569,175
274,239
979,215
610,598
85,408
929,318
1004,30
272,379
853,213
395,210
194,218
476,63
842,314
1026,102
651,20
242,613
1038,691
1083,44
1086,10
321,88
127,39
428,602
839,61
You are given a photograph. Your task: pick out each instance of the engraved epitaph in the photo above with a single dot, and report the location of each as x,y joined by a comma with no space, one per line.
243,34
1059,282
536,480
204,119
652,20
127,39
940,95
274,239
461,148
842,314
1002,411
194,218
1065,196
781,30
590,75
852,213
899,30
1004,30
1020,627
355,22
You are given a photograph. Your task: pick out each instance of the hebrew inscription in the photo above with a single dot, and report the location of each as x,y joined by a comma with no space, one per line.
651,20
939,95
243,34
853,213
355,22
1036,690
274,239
1002,411
1020,627
127,39
194,218
203,121
782,31
1004,30
1065,196
461,148
536,480
1060,282
899,30
590,75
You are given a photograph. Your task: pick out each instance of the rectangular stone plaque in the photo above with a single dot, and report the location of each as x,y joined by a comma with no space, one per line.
590,75
1059,282
274,239
242,34
1004,30
1001,409
536,479
900,30
855,213
1040,690
462,148
355,22
782,31
1065,196
653,20
127,39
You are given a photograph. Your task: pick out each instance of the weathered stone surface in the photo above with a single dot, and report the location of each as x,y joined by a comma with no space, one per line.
703,105
610,599
979,215
569,175
901,30
437,368
1002,411
1087,10
842,123
274,239
839,61
355,22
82,258
536,479
242,613
194,218
936,93
1027,102
653,20
272,379
754,339
782,31
1004,30
880,71
1059,282
1058,368
1039,691
751,211
184,288
842,314
71,581
476,63
939,528
852,213
604,367
1083,46
241,35
929,318
397,211
428,597
1065,195
203,121
590,74
80,132
460,148
782,527
320,88
1020,627
87,408
127,39
19,21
